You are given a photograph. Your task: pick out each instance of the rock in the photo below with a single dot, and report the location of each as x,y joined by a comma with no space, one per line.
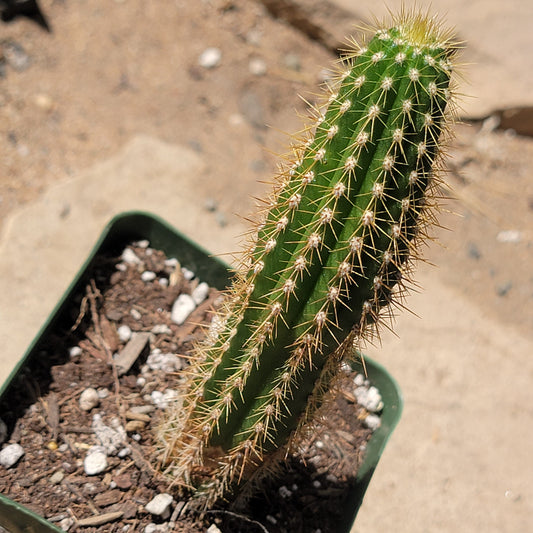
182,308
187,274
89,399
160,505
509,236
136,315
75,351
57,477
95,461
257,66
200,293
43,102
210,58
10,455
15,55
130,257
124,333
148,275
143,244
213,528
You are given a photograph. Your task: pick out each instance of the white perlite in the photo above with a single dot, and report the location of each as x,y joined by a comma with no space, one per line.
182,308
167,362
148,275
10,455
160,505
372,422
200,293
369,398
111,438
130,257
124,333
95,461
89,399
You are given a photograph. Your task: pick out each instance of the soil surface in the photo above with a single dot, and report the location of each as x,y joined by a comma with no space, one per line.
46,416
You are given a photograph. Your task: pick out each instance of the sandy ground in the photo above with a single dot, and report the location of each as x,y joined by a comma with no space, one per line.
112,111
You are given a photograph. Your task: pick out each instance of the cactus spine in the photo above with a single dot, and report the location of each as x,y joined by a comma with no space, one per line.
333,249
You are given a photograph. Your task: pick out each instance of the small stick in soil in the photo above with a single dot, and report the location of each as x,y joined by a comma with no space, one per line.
99,520
239,516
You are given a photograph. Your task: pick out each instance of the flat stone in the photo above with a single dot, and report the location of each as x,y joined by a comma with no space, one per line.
160,505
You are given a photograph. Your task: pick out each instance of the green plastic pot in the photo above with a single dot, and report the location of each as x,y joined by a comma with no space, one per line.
134,226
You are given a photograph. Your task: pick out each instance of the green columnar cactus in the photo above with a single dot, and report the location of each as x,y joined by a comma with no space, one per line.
334,247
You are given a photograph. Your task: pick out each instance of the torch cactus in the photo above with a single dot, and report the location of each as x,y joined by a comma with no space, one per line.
332,253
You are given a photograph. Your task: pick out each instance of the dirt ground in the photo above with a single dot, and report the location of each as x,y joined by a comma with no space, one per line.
110,70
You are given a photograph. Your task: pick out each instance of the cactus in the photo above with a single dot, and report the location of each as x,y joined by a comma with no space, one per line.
332,252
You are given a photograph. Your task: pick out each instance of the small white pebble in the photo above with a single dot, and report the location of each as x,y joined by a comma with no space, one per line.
10,455
75,351
148,275
95,462
143,244
160,505
161,329
210,58
200,293
187,274
213,528
257,66
130,257
271,519
369,398
317,484
141,381
509,236
284,492
123,453
163,282
372,422
171,262
359,380
89,399
182,308
124,333
103,393
66,523
136,315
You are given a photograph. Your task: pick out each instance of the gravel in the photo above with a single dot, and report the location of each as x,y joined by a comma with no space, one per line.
182,308
95,461
160,505
89,399
10,455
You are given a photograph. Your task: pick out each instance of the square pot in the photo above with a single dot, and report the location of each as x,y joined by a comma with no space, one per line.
136,226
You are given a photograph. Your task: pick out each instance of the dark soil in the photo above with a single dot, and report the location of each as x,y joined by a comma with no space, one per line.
43,415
